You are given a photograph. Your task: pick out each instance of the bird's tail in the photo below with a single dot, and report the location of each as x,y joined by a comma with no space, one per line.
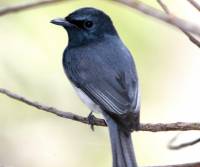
121,143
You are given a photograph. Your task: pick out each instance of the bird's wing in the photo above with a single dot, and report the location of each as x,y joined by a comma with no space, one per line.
113,95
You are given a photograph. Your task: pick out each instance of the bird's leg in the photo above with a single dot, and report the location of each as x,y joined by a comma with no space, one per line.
136,121
91,119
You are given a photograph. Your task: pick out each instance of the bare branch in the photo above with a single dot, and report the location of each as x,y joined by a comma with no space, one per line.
195,164
164,7
25,6
146,9
190,36
195,4
182,145
49,109
151,11
179,126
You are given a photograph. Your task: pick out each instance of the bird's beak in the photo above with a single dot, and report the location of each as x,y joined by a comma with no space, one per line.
61,22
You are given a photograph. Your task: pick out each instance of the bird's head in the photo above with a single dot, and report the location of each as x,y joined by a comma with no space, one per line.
86,25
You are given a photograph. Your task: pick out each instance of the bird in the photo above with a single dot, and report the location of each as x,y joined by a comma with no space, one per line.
103,73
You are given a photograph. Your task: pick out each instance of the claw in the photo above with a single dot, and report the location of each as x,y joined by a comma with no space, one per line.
91,119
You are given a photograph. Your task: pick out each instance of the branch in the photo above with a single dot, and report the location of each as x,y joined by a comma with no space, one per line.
178,126
25,6
182,145
151,11
68,115
140,6
163,6
190,36
195,164
195,4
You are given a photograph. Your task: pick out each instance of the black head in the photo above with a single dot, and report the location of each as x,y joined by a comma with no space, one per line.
86,25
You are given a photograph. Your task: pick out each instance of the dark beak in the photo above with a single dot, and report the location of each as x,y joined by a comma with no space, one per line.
61,22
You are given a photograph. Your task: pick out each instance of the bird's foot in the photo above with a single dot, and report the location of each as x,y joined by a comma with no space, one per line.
91,120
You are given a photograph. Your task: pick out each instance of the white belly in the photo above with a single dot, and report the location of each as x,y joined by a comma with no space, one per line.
87,101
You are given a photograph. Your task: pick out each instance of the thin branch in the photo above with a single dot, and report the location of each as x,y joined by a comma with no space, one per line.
195,4
140,6
164,7
182,145
151,11
190,36
194,164
68,115
178,126
25,6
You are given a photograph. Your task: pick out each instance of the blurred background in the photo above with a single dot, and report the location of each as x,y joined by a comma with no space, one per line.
30,64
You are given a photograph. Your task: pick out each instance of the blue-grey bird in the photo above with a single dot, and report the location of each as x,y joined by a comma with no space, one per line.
103,73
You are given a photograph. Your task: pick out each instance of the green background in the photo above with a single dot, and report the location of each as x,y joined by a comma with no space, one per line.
30,64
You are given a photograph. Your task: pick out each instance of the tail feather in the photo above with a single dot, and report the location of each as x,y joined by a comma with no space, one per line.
121,143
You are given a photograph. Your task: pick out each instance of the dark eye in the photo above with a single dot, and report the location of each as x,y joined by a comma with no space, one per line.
88,24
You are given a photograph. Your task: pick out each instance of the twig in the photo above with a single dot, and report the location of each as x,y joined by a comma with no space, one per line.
178,126
164,7
195,164
25,6
190,36
151,11
195,4
182,145
140,6
68,115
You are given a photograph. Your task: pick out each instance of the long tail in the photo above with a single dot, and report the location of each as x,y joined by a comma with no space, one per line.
121,143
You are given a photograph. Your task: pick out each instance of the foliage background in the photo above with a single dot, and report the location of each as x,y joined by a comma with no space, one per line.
30,64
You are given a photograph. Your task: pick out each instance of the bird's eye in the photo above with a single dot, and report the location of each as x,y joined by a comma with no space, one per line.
88,24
